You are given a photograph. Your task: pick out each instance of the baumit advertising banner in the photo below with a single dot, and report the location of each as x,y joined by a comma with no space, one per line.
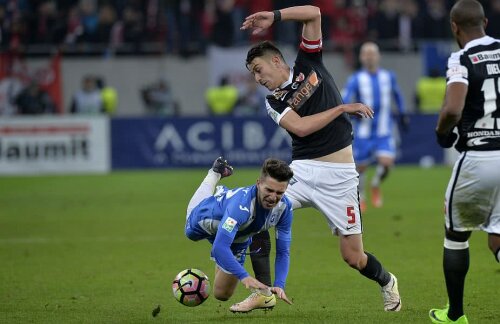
54,144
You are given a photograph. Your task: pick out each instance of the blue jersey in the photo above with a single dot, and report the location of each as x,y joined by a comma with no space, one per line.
230,218
376,90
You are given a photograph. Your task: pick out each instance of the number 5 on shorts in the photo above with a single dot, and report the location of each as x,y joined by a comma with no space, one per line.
351,216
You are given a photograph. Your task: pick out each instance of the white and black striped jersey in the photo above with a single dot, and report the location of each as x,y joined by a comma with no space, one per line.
309,90
478,66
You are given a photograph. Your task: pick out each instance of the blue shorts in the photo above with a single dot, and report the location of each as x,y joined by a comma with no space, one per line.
366,149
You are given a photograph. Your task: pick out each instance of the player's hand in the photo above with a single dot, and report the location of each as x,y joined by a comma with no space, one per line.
252,283
446,140
358,109
258,21
404,122
280,293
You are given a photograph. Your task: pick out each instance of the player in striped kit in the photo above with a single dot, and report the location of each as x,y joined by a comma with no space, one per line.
373,138
472,106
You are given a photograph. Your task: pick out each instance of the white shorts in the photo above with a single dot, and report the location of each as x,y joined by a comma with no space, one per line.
331,188
472,200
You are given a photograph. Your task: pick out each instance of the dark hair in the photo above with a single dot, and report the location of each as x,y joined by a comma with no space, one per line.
262,49
276,169
468,14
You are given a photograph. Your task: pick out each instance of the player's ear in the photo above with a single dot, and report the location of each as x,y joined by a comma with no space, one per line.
454,28
485,22
276,61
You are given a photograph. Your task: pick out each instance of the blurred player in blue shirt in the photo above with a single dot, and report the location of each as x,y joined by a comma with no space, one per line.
229,218
373,138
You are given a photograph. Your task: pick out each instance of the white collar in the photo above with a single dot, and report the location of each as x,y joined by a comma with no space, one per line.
478,41
287,82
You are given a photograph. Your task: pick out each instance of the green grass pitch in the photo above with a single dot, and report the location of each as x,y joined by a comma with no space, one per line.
105,249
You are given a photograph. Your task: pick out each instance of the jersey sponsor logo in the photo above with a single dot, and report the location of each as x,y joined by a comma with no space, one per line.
229,224
485,56
244,209
304,91
480,140
280,94
300,77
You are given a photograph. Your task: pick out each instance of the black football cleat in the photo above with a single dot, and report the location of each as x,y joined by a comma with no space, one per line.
222,167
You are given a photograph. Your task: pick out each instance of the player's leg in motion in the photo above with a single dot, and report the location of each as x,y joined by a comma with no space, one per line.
259,254
455,266
385,152
351,247
494,244
220,169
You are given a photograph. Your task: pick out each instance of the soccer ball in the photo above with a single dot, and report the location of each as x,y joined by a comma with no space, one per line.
191,287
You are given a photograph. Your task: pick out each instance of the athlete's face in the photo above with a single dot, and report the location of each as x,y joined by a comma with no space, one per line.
265,70
369,56
270,191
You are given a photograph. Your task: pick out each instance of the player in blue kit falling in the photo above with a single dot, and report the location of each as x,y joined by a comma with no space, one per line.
373,138
229,218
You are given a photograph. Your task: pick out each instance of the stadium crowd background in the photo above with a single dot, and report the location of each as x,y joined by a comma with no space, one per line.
185,27
171,31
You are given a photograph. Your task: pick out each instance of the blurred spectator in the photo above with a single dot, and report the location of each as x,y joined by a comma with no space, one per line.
222,98
430,92
133,27
74,27
109,96
45,25
89,19
251,101
384,26
88,99
34,101
189,18
10,87
159,100
493,15
410,25
223,28
435,21
106,22
239,14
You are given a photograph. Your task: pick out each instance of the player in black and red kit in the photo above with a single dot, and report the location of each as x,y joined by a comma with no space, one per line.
306,102
472,105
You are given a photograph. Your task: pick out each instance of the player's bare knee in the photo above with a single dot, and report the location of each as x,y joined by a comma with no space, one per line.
222,295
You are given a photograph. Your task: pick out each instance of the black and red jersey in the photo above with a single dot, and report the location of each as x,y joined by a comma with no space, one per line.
309,90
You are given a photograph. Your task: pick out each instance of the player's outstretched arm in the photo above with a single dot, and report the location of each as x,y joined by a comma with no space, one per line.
310,16
303,126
